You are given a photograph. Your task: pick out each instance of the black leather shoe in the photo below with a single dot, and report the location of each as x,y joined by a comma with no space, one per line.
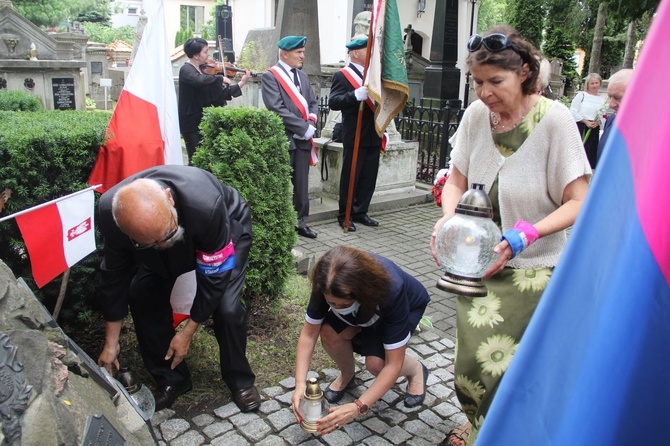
247,399
334,396
306,232
166,395
352,226
365,220
417,400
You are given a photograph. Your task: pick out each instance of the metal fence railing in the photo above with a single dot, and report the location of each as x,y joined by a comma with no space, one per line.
322,115
430,122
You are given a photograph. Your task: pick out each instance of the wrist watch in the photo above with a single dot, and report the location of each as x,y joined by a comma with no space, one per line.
362,407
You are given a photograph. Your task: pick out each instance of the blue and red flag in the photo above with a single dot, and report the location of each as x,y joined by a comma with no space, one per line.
593,367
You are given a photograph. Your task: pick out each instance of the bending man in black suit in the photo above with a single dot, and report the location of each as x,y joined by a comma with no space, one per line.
157,225
287,92
346,93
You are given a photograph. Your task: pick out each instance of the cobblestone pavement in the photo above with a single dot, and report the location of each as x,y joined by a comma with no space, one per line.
403,236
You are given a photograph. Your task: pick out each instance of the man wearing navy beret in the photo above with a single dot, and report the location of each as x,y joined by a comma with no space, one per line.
346,93
287,92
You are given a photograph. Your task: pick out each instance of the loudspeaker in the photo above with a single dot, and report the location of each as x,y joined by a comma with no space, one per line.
224,28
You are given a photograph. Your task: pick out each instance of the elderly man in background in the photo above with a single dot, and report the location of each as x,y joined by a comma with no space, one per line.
616,88
158,225
346,93
286,91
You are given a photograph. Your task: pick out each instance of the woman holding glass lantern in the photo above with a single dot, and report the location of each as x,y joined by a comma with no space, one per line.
363,303
528,154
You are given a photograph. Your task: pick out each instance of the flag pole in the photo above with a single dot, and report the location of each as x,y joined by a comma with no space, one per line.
48,203
61,294
357,139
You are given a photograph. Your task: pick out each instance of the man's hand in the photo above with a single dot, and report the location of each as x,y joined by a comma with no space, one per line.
180,343
361,93
110,357
111,350
178,349
310,132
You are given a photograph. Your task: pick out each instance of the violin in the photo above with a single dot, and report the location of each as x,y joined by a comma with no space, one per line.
227,69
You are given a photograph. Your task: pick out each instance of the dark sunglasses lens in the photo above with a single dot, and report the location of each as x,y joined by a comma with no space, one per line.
496,42
474,43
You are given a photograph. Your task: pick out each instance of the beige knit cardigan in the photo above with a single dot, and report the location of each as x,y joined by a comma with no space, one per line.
532,180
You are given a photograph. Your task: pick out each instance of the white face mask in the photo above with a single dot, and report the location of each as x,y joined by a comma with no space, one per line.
345,311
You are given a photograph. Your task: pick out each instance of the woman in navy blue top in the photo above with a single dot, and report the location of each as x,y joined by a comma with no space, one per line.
363,303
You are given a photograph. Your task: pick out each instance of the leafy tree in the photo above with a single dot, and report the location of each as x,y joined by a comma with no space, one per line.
558,43
598,33
93,17
491,13
102,33
54,12
182,36
527,16
633,9
558,46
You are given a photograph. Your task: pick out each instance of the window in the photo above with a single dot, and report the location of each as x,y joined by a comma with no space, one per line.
191,18
132,11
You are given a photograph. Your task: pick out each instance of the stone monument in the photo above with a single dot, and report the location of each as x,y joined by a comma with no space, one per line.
46,65
51,392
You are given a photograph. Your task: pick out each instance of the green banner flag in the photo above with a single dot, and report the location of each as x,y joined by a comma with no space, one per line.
386,76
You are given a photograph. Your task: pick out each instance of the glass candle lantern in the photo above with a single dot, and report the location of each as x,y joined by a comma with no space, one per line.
140,393
312,407
464,244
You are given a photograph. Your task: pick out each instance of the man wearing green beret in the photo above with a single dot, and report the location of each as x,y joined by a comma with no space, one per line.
346,92
287,92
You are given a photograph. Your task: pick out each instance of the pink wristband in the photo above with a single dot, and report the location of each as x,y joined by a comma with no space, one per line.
527,231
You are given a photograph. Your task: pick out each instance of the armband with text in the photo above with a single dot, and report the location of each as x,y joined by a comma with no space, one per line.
210,264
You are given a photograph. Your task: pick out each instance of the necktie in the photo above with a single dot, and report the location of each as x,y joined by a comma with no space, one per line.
295,77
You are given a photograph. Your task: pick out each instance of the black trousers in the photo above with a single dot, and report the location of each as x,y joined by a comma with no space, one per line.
152,316
591,143
299,159
367,166
192,140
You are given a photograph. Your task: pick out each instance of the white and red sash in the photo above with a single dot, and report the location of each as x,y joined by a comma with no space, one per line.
299,101
356,81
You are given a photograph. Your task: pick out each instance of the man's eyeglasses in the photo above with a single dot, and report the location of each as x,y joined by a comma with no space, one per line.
165,239
493,42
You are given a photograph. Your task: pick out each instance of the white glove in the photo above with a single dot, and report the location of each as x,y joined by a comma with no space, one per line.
361,93
310,132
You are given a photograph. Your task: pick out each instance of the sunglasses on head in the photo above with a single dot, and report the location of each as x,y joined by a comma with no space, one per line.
493,42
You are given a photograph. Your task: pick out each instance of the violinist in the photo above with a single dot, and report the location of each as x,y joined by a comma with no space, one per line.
198,90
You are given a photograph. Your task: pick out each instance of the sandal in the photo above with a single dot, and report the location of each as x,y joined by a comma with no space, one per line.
459,436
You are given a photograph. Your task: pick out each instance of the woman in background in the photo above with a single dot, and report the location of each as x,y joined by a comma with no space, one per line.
198,90
587,109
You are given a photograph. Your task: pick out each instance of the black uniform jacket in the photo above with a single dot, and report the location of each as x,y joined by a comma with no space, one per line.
210,213
342,98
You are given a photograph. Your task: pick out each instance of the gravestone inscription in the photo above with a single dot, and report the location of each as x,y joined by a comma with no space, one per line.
63,91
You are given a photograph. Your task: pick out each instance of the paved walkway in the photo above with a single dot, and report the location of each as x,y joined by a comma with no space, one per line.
403,236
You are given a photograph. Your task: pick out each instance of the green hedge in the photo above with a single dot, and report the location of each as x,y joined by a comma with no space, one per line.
46,155
247,148
15,100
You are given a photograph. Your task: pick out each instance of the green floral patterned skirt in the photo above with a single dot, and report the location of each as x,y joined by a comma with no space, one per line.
488,332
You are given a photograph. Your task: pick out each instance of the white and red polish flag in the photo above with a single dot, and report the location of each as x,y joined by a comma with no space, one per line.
144,129
58,233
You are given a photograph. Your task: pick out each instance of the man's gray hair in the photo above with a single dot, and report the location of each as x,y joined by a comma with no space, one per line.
622,76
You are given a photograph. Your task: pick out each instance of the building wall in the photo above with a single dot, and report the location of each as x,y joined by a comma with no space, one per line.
123,17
